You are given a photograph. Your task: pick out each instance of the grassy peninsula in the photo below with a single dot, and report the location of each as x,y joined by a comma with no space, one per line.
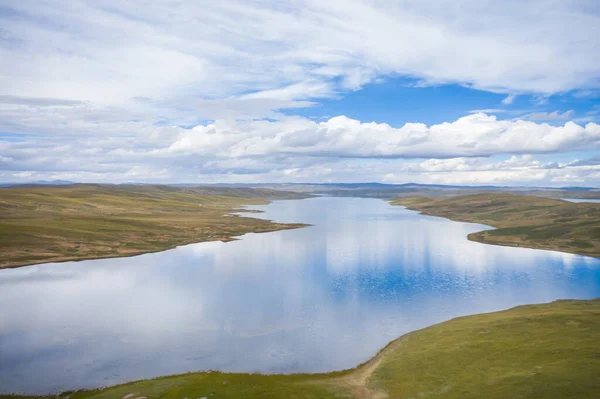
520,220
535,351
59,223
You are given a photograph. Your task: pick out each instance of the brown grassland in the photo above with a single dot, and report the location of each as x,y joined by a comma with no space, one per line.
59,223
520,220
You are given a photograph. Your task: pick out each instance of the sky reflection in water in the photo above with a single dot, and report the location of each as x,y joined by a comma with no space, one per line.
316,299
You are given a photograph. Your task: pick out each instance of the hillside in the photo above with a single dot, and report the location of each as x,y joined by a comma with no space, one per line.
520,220
71,222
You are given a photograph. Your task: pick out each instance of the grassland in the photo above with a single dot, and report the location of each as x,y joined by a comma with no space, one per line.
391,191
535,351
520,220
59,223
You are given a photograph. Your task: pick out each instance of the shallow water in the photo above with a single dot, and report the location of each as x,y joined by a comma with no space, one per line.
321,298
581,200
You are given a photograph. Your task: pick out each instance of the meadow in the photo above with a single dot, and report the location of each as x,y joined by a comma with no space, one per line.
41,224
520,220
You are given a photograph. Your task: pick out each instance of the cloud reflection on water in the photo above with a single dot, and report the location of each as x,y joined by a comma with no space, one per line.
319,298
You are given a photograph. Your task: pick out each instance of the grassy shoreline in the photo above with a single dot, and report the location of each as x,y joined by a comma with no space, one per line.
277,227
88,221
531,351
520,220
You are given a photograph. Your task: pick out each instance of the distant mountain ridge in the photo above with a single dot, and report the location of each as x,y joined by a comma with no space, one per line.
38,183
316,186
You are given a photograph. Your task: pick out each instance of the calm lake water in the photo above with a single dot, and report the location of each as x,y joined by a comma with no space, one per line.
321,298
581,200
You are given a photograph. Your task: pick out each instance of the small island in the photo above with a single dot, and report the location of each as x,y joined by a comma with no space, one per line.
520,220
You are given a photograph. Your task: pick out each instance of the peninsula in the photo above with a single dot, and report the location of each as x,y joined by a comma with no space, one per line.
40,224
520,220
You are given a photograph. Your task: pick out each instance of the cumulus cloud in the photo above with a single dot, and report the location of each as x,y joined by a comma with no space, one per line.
471,136
525,162
300,149
515,170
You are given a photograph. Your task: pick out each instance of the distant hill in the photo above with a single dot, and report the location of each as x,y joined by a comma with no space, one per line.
387,191
367,189
38,183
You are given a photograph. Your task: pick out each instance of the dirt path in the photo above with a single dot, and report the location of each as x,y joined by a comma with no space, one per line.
357,382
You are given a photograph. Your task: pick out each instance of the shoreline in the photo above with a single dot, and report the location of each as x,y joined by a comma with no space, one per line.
373,361
83,222
473,236
367,380
515,233
286,226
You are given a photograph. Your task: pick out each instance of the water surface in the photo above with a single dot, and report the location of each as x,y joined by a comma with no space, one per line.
581,200
321,298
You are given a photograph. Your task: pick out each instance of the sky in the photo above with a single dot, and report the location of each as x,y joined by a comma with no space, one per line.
467,92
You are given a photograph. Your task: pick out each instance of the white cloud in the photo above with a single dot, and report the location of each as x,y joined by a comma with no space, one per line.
508,99
516,170
300,149
550,116
96,88
470,136
490,111
108,52
525,162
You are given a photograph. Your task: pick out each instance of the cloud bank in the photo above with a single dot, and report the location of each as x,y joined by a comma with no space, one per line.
300,149
476,135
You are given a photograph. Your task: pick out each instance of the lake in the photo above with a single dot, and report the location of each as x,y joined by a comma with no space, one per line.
316,299
581,200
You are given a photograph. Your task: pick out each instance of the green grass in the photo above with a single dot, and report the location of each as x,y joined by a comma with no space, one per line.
521,220
218,385
50,223
541,351
536,351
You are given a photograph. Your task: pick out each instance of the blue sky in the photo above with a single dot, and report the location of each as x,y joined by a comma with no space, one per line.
397,101
397,91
